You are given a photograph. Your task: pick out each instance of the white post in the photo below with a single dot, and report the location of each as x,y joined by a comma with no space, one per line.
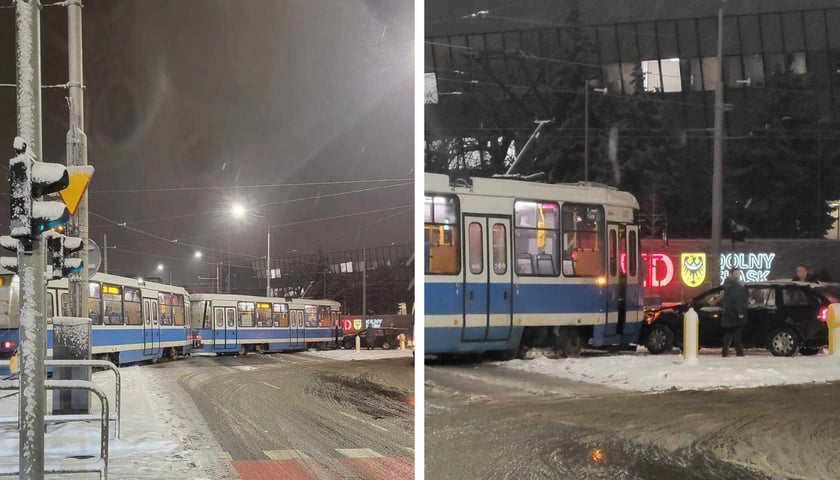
268,260
358,343
691,325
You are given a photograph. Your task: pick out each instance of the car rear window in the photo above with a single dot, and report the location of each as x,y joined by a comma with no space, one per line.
831,292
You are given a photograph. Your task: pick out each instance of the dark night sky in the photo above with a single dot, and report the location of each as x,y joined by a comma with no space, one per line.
223,93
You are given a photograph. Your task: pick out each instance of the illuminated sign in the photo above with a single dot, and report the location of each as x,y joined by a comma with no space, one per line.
660,270
693,268
357,323
263,305
755,267
110,289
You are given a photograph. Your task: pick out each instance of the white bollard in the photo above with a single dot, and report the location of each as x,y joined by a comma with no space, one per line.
691,325
358,343
402,341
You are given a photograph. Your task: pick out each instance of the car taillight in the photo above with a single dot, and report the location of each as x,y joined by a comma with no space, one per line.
823,315
9,345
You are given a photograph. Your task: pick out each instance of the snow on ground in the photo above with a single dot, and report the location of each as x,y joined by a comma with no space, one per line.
642,372
362,354
162,435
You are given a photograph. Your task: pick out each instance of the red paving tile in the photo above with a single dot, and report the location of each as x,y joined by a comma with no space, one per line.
271,470
376,468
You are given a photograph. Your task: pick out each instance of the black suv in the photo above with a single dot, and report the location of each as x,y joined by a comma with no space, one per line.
784,317
385,338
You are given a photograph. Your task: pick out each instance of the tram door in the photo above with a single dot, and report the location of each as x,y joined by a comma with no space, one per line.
224,328
618,263
488,299
151,327
297,334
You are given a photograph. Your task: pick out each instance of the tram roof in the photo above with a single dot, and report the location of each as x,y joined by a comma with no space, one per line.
586,192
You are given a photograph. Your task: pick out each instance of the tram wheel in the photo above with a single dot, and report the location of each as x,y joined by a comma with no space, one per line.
242,352
259,349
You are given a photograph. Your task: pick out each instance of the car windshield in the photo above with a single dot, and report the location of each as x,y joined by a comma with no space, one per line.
710,299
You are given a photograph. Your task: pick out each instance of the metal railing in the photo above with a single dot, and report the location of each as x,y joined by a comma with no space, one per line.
81,418
75,466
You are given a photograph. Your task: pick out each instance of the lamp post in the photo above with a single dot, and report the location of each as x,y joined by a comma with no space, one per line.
586,87
240,211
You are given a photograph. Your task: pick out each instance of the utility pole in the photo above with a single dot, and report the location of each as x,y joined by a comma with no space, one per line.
77,154
105,252
717,170
364,287
31,265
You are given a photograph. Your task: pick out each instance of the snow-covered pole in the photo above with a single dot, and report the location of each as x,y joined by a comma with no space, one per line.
77,152
690,337
31,264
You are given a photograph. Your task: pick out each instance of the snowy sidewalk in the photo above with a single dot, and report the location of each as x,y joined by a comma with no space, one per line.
644,372
363,354
162,433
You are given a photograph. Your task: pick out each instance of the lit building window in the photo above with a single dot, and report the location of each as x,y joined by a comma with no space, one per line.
667,79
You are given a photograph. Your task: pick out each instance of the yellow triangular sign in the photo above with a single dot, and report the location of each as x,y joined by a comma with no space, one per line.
79,180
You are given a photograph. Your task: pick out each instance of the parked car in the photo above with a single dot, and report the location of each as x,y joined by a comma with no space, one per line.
384,338
785,317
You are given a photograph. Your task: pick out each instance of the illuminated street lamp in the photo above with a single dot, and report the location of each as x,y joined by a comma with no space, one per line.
160,269
239,211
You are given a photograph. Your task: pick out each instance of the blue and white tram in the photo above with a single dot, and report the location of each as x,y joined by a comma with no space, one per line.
131,320
240,324
512,265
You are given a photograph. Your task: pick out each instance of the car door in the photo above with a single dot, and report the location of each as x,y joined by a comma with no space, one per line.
800,309
709,308
762,313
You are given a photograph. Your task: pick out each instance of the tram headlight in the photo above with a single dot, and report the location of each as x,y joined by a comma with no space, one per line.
601,281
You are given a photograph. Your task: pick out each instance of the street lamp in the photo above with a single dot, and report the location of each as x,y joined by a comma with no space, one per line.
586,88
238,210
160,269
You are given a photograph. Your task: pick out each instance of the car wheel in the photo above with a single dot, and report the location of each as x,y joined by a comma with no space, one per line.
386,345
660,339
809,351
783,343
349,343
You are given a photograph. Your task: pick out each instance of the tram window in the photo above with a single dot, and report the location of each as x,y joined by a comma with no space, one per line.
263,314
198,314
246,314
281,315
476,240
536,238
499,249
311,315
112,301
440,235
613,254
95,304
632,254
179,311
583,230
324,313
50,309
220,317
165,307
131,304
230,316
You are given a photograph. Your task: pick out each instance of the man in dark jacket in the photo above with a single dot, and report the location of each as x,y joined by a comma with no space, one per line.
735,301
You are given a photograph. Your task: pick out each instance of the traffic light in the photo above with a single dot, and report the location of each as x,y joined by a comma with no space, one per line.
30,180
11,244
58,247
